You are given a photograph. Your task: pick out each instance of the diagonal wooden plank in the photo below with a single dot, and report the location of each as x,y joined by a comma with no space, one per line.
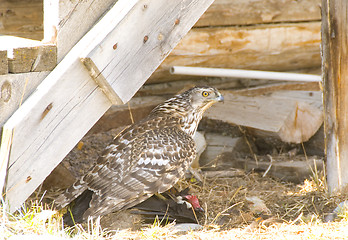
151,38
68,102
61,110
15,88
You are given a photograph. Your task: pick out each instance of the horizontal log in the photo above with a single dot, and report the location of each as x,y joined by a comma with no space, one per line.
289,116
282,47
246,87
33,59
246,12
22,18
25,19
217,146
270,88
224,173
294,171
26,55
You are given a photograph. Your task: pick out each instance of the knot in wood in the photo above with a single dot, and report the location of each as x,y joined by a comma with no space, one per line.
146,38
6,90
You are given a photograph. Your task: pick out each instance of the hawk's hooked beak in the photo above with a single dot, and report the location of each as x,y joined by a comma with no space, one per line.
220,98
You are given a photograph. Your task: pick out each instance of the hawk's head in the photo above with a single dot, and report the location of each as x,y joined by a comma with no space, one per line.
201,98
189,106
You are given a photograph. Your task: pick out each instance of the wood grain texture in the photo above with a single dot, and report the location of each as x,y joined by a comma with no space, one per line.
26,55
281,47
46,127
282,86
151,39
33,59
288,116
23,59
295,171
25,18
247,12
3,62
335,79
16,88
22,18
66,22
216,146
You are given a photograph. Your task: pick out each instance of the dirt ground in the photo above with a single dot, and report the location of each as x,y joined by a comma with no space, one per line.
245,199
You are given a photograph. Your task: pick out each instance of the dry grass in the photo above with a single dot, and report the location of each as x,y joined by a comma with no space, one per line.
47,224
288,212
227,200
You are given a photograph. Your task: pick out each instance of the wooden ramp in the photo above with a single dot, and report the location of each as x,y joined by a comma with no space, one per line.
108,65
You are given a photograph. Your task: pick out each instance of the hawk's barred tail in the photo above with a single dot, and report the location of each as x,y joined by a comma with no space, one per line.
70,194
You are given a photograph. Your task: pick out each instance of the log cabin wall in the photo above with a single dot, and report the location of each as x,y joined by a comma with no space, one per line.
247,34
251,34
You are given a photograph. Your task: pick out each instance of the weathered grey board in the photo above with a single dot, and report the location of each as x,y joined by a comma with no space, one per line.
247,12
68,102
295,171
289,116
66,21
335,91
26,55
15,88
155,39
33,59
216,146
277,47
3,62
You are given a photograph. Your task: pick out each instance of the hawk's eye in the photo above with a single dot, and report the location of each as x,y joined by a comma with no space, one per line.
205,94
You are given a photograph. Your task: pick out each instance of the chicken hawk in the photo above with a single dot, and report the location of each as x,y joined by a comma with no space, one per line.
146,158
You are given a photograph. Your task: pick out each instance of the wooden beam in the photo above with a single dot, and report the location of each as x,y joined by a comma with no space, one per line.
217,145
68,102
3,62
33,59
66,21
22,18
15,89
282,86
26,55
281,47
296,170
291,117
335,79
154,40
247,12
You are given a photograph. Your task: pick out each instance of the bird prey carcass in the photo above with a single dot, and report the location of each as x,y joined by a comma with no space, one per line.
146,158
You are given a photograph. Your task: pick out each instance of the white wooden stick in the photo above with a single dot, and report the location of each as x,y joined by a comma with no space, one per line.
238,73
